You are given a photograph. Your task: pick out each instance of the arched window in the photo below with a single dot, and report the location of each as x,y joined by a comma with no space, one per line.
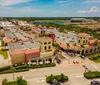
45,47
79,41
45,42
84,41
49,47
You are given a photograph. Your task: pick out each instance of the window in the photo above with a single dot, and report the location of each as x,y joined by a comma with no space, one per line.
49,42
84,41
45,47
49,47
45,43
79,41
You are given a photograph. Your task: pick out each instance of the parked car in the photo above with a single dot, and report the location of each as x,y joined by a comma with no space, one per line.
95,83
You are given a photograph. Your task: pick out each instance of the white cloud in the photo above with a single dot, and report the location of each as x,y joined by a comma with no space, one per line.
12,2
18,12
92,1
94,9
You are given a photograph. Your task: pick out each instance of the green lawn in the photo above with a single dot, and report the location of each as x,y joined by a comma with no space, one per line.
4,53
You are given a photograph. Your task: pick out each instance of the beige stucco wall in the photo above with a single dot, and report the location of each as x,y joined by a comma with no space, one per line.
83,40
43,45
46,54
17,58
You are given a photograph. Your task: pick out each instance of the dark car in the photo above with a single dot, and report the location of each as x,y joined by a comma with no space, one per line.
95,83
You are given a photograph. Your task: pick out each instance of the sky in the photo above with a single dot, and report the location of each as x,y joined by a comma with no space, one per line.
49,8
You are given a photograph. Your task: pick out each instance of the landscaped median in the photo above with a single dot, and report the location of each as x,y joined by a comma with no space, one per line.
59,78
92,75
19,81
23,68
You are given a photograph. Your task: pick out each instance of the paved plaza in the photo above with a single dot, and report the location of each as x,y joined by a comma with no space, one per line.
74,72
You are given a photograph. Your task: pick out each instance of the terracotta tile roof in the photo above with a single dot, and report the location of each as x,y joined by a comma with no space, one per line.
83,34
99,41
26,51
25,39
6,40
18,52
92,41
44,39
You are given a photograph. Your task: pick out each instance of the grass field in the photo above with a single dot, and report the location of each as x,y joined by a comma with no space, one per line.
4,53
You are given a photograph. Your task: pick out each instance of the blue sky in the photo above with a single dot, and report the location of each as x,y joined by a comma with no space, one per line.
50,8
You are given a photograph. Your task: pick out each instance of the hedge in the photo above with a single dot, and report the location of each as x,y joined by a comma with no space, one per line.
43,65
59,78
23,82
22,70
7,71
4,49
21,67
4,68
92,75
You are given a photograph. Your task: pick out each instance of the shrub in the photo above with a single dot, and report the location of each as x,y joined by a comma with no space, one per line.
91,75
21,67
65,78
59,78
43,65
4,68
4,49
22,70
50,78
4,82
7,71
23,82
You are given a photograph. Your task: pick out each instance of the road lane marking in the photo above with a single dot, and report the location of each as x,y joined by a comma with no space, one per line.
41,81
79,76
95,66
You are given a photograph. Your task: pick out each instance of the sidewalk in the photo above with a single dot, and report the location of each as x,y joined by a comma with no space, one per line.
69,62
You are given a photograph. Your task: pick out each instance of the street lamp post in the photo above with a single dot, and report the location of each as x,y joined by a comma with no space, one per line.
13,73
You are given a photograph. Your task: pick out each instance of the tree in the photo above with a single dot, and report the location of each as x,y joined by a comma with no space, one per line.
4,82
96,43
19,80
62,77
74,46
68,45
57,46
